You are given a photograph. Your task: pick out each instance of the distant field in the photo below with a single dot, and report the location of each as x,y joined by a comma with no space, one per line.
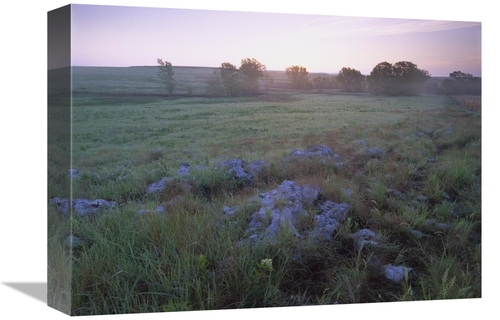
120,113
142,81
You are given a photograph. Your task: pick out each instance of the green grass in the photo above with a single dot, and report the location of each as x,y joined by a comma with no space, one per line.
192,257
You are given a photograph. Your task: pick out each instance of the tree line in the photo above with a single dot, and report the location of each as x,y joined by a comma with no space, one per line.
402,78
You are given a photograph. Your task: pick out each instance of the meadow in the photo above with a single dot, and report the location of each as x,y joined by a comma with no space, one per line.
422,197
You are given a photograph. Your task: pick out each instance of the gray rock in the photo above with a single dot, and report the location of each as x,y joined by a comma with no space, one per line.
366,244
330,216
395,193
234,166
229,211
318,151
241,170
160,209
255,167
142,212
157,187
395,273
284,206
81,207
84,207
62,205
361,141
74,174
365,238
417,234
421,198
285,217
334,210
183,169
280,208
364,234
374,152
325,227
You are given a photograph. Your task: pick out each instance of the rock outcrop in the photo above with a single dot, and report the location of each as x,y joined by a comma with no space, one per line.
280,208
319,152
284,207
330,216
81,207
241,170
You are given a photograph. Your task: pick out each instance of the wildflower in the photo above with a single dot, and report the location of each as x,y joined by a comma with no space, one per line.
267,264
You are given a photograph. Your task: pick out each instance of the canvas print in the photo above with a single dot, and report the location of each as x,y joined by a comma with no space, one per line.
210,160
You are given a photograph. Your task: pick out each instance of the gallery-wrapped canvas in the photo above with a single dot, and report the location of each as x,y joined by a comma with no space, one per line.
210,160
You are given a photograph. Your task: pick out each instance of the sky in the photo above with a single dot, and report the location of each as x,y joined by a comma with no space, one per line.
130,36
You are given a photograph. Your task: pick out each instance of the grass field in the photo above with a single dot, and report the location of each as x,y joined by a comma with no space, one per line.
126,134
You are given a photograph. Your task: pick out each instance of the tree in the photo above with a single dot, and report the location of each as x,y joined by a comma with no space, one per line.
231,79
350,79
401,78
251,71
166,74
410,79
268,80
462,83
460,76
297,77
381,78
432,86
321,82
214,84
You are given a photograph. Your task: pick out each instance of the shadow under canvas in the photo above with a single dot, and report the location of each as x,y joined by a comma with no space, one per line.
37,290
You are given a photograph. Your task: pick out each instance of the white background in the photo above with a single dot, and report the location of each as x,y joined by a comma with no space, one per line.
23,154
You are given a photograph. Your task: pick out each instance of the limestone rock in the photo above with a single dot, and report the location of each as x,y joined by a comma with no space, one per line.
183,169
317,151
330,216
241,170
280,208
81,207
62,204
229,211
395,273
158,186
284,206
84,207
74,174
365,238
374,152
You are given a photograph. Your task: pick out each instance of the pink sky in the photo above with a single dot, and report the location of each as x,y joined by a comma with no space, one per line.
131,36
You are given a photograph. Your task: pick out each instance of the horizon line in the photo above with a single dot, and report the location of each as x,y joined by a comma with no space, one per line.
207,67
